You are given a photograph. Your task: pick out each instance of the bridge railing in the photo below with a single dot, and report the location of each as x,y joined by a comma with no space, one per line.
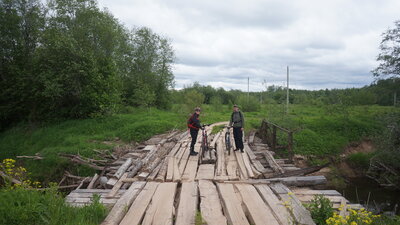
268,133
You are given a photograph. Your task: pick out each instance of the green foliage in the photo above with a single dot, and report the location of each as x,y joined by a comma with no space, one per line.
360,159
24,206
389,57
81,136
70,59
248,103
320,209
193,99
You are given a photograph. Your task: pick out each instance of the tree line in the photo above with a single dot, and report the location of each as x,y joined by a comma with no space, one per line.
71,59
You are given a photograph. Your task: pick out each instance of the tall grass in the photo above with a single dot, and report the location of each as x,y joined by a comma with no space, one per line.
32,207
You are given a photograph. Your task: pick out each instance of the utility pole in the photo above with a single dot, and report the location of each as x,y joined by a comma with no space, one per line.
394,94
248,89
287,90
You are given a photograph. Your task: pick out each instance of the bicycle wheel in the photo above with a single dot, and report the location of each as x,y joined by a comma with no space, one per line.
228,143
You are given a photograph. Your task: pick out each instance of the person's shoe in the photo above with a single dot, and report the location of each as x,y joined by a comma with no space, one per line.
236,149
241,150
193,153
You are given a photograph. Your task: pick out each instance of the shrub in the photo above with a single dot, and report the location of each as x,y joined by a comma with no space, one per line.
248,103
320,208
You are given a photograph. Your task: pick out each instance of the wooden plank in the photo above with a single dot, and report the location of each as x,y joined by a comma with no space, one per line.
300,214
177,175
247,164
316,192
162,204
118,211
163,170
241,166
232,205
93,181
220,157
117,186
183,162
232,167
170,170
343,208
210,204
279,211
138,208
143,175
154,173
259,212
308,198
205,172
190,171
187,204
253,158
123,168
272,163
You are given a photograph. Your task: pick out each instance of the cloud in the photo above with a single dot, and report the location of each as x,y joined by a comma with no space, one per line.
327,44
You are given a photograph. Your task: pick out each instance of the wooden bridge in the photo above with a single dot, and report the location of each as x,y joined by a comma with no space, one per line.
159,183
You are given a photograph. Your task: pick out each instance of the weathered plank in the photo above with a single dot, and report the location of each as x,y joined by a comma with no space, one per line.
232,205
154,173
280,212
259,212
187,204
205,172
241,166
302,191
272,163
161,208
247,164
170,170
184,159
177,174
136,212
93,181
117,186
300,214
232,167
210,205
118,211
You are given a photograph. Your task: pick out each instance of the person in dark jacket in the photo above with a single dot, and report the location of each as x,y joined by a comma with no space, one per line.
194,126
237,122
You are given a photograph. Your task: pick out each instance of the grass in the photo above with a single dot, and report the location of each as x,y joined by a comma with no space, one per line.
322,130
23,206
81,137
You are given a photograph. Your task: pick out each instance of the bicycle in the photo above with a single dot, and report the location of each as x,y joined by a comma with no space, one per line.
204,140
228,140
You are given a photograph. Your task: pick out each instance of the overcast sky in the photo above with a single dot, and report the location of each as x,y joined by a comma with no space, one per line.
326,44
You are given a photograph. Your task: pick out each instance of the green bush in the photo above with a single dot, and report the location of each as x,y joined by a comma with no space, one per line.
248,103
30,207
360,159
321,209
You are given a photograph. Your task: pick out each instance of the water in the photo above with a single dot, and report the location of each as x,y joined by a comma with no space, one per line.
381,200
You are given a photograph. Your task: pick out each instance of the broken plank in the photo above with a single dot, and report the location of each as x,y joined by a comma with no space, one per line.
187,204
272,163
210,204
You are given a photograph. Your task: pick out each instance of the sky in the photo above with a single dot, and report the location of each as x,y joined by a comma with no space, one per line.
325,43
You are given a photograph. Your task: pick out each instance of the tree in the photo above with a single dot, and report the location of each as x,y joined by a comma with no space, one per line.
193,99
389,57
